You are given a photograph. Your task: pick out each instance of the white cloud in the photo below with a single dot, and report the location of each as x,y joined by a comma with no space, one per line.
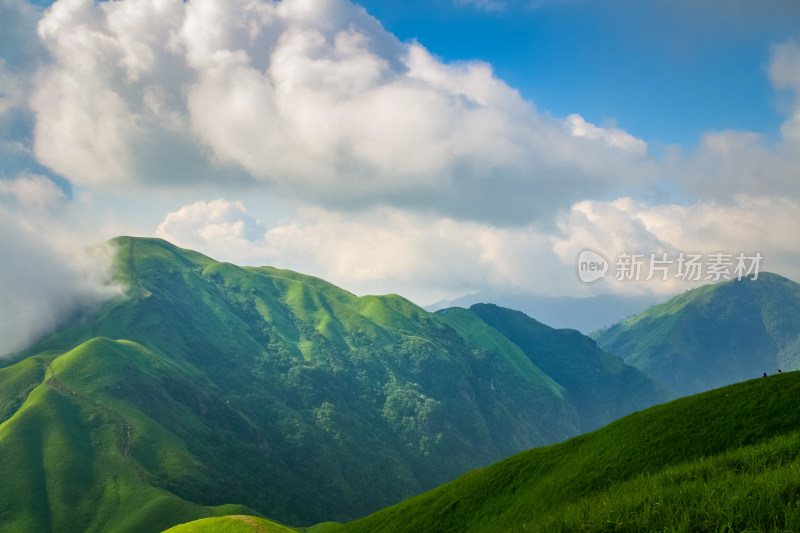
748,225
36,195
427,257
425,176
314,98
730,163
726,164
784,71
48,276
612,136
216,225
108,107
382,250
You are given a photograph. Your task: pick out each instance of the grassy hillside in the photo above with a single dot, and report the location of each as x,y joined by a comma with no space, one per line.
714,335
75,456
600,385
724,460
258,386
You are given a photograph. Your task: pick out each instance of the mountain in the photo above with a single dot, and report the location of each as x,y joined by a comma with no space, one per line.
583,314
724,460
209,383
600,385
713,335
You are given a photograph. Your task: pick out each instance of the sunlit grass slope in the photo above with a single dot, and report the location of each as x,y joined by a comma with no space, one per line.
724,460
78,455
231,524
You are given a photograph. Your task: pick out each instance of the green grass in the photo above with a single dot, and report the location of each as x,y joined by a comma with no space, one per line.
752,488
71,456
727,458
323,527
247,524
231,524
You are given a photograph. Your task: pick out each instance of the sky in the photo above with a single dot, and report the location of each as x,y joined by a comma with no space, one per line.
427,148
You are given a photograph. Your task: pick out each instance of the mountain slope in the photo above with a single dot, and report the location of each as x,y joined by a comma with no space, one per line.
231,524
76,456
714,335
491,346
724,460
600,385
257,386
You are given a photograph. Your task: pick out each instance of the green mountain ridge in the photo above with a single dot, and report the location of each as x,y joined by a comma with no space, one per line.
601,386
72,456
713,335
210,384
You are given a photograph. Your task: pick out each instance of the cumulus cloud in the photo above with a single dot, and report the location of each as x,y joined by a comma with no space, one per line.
748,225
381,250
312,98
613,137
214,225
424,256
47,277
784,71
108,106
422,174
726,164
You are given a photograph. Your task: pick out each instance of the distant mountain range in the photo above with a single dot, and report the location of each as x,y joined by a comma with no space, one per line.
713,335
212,389
583,314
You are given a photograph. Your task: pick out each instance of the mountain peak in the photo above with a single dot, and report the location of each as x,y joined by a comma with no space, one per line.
714,335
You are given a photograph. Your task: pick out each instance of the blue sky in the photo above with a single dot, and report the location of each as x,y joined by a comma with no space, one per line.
664,71
432,149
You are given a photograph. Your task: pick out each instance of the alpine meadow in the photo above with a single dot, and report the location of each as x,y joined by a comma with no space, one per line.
353,266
